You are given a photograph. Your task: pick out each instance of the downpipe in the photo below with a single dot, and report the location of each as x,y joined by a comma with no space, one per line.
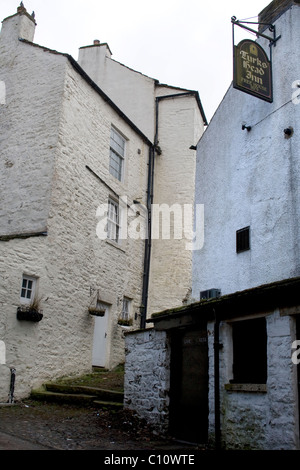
217,347
12,385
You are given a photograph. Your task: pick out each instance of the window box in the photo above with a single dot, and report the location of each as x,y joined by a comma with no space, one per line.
97,312
122,322
29,313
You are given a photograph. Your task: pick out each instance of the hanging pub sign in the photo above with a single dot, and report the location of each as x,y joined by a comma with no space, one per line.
252,71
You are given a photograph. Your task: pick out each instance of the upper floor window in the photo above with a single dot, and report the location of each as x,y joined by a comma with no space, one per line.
113,221
28,289
117,154
243,239
126,309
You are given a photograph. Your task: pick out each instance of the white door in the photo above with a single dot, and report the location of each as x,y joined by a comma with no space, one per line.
100,337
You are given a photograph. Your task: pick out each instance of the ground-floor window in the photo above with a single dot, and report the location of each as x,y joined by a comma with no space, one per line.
249,339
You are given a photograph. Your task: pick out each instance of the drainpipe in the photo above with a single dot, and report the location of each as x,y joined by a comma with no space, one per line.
217,347
12,385
148,237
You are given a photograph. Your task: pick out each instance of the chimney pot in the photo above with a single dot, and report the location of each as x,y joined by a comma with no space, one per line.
96,42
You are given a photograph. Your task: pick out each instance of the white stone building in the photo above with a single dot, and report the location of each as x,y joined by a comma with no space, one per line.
244,318
79,171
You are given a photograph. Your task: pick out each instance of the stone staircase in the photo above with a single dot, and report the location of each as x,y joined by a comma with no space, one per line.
81,395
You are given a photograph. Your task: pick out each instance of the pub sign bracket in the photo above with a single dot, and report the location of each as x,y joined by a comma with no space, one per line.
252,71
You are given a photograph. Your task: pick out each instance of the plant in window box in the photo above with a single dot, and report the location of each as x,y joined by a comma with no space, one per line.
123,322
97,312
31,312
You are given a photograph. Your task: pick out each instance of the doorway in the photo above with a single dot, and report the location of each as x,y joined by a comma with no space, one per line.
99,354
189,385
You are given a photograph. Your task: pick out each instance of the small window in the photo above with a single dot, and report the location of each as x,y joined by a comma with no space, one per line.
117,154
249,338
113,221
243,239
28,289
125,309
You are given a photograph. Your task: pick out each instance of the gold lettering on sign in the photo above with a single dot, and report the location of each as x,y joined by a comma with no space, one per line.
252,70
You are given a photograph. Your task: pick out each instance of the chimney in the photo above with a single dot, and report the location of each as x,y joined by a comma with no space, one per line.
93,58
273,11
20,25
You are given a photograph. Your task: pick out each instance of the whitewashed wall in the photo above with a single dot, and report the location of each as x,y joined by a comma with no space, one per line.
171,260
180,125
54,124
252,178
254,420
250,420
147,376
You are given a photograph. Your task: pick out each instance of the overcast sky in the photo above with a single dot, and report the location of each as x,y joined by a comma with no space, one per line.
187,44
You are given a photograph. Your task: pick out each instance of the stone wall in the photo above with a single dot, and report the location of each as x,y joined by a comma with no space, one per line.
55,176
171,261
179,125
147,376
258,420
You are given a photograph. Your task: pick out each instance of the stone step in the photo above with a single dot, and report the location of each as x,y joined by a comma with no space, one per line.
100,393
45,395
113,405
79,395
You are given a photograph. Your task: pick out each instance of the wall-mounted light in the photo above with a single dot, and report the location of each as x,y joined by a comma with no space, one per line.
246,127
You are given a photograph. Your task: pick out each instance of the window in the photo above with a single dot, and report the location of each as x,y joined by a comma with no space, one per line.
113,221
117,154
28,289
125,309
249,339
243,239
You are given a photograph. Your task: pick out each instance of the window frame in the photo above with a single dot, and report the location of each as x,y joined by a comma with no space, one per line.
117,154
243,239
125,314
113,225
29,279
249,351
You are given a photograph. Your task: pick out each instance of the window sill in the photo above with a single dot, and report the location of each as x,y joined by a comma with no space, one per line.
246,388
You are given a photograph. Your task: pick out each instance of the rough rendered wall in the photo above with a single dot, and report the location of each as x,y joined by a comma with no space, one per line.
173,207
258,420
252,178
136,95
29,121
88,263
72,263
147,376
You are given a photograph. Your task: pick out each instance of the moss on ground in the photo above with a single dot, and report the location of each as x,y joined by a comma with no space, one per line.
102,378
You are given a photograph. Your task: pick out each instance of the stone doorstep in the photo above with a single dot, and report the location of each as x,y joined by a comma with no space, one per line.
79,395
102,394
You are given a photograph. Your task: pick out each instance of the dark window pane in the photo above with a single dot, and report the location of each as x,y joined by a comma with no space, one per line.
250,351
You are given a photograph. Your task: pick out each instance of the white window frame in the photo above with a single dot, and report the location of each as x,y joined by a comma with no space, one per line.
28,289
113,221
126,308
117,154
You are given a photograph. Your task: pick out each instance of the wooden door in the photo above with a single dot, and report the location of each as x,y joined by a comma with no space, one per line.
189,385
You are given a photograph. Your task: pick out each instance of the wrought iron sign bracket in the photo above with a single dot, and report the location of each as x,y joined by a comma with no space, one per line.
272,29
